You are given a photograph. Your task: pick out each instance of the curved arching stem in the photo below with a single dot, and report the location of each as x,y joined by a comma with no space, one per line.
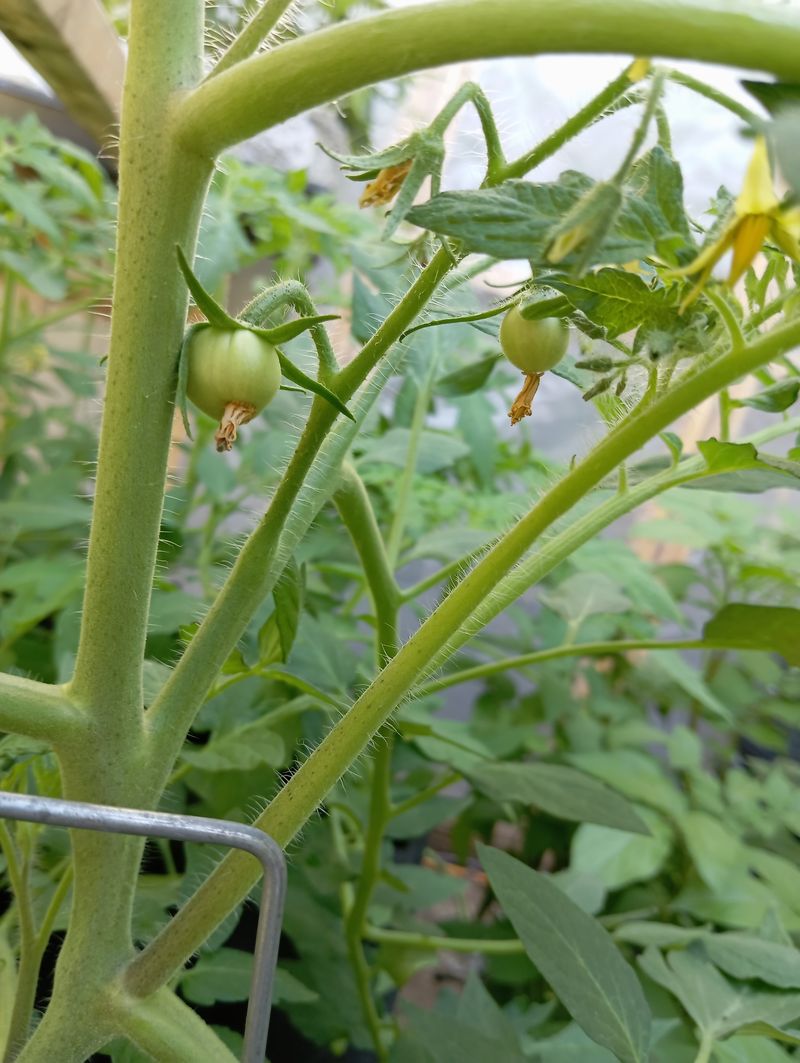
267,89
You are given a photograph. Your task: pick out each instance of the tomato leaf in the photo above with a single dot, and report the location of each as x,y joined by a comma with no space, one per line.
469,378
575,955
774,399
562,792
619,301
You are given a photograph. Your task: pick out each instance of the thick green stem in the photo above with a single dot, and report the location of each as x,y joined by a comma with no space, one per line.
167,1029
642,129
356,912
379,813
161,193
346,741
35,709
18,868
7,315
358,516
104,761
428,942
706,1048
305,73
32,947
294,294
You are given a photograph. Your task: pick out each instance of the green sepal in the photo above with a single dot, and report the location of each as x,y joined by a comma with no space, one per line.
297,376
463,318
554,306
425,148
582,232
183,374
428,162
368,166
206,303
288,331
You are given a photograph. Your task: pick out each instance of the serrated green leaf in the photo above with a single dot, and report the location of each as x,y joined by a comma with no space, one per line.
576,956
739,467
511,221
518,219
224,976
618,858
433,1037
718,1007
619,301
677,668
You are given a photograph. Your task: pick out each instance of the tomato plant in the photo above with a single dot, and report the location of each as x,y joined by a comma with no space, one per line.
674,871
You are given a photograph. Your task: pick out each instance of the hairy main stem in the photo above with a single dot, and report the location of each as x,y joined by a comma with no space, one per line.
161,193
102,754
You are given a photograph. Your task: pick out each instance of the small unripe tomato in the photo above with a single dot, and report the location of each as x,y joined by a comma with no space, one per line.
533,346
233,375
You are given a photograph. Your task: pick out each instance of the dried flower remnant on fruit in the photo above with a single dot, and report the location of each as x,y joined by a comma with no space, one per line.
232,375
386,185
234,415
521,406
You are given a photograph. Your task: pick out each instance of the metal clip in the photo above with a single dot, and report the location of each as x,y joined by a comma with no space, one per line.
79,814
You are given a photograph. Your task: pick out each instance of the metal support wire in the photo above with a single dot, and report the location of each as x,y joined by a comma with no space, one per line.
79,814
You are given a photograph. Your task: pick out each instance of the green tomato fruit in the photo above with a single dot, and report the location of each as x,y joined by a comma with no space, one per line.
533,346
227,366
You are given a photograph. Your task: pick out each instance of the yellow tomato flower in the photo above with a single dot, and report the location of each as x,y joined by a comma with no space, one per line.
757,214
638,70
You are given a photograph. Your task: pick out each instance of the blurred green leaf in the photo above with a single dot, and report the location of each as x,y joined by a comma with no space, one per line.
575,955
558,790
